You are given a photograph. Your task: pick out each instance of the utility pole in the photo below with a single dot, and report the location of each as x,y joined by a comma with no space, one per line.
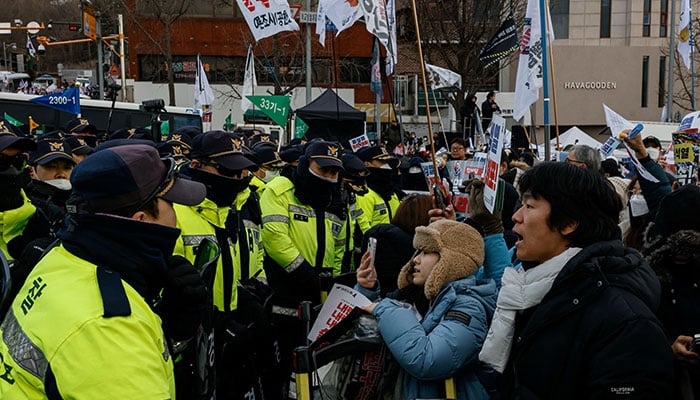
308,55
122,56
671,61
100,71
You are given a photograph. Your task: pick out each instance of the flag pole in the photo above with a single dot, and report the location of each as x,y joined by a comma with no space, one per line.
554,90
671,62
545,78
425,91
437,108
692,51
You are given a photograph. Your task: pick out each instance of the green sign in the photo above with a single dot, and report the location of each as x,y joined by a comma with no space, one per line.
275,107
12,120
300,128
227,124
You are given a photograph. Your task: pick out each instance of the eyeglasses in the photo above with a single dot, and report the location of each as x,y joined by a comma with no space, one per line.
230,173
19,161
574,162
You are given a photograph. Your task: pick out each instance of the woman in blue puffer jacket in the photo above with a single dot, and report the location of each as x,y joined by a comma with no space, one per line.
437,332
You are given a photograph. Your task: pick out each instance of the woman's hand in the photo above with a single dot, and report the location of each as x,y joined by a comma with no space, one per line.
438,213
369,308
366,275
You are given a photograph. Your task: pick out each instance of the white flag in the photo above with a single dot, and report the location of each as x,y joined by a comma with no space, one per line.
376,21
203,95
442,77
685,33
267,17
249,81
392,53
529,78
341,13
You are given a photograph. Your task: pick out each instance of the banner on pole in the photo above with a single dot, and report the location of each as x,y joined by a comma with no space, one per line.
68,101
300,128
267,18
275,107
503,42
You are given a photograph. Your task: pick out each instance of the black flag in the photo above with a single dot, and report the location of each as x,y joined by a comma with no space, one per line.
504,42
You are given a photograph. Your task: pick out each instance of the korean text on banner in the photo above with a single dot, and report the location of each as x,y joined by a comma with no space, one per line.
359,142
267,18
341,300
493,163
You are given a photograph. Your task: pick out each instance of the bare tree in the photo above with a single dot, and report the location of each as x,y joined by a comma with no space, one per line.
452,34
165,12
683,79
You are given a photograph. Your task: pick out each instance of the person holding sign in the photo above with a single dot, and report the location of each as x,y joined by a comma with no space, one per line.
436,323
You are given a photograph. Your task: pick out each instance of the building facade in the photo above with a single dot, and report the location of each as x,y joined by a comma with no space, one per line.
614,53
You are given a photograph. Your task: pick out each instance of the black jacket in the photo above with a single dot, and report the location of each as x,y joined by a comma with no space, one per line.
594,335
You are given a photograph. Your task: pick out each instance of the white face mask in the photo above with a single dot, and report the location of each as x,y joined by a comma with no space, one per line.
62,184
322,177
653,153
638,205
270,174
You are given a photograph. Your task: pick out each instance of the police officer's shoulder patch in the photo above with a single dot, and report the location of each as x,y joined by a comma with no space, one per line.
458,316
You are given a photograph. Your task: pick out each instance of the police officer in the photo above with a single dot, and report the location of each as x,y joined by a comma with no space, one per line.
229,215
269,164
380,203
15,208
83,325
301,236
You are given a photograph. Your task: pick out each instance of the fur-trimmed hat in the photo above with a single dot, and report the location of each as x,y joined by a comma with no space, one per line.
461,251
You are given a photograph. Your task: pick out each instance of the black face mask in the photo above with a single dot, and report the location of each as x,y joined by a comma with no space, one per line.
310,189
381,181
220,189
12,181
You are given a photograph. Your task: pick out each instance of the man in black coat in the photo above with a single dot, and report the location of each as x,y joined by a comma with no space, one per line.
575,317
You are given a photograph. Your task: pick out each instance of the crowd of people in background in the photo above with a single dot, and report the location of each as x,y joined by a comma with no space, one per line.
583,284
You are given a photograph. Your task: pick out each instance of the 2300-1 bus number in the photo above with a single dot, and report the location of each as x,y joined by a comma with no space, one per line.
61,100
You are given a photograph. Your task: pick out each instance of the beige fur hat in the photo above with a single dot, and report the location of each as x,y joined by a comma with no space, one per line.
461,250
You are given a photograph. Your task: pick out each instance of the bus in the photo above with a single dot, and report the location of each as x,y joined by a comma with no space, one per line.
125,115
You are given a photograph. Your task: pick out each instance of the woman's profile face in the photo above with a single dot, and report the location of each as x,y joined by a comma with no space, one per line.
424,263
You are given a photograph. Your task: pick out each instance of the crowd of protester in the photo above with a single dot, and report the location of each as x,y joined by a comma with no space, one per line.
584,284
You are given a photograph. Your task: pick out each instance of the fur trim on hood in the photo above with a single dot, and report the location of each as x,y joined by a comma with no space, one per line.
683,245
461,251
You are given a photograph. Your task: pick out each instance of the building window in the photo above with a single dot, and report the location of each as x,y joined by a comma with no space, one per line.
605,13
662,80
663,18
645,81
356,70
646,23
560,18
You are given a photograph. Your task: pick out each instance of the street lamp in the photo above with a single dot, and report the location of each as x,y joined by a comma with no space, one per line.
13,46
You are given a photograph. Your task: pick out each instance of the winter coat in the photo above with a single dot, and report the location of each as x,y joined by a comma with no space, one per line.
594,335
447,341
654,191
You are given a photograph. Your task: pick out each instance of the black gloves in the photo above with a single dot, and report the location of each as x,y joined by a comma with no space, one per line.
305,280
490,223
185,299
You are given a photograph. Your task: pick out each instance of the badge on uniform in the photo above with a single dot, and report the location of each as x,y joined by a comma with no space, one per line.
300,217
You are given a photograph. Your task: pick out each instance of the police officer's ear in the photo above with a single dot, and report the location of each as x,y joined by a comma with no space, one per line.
32,171
194,164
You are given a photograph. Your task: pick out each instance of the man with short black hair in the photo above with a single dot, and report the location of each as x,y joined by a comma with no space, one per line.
575,319
83,326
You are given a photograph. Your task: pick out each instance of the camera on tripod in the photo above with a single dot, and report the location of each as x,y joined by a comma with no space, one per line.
153,106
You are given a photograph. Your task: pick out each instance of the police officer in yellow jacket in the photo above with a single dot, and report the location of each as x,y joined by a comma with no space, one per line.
83,326
301,235
15,208
269,165
380,204
230,215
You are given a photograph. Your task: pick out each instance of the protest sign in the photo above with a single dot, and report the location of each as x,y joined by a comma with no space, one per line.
340,302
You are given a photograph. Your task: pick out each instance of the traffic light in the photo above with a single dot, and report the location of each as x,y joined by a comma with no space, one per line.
74,27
